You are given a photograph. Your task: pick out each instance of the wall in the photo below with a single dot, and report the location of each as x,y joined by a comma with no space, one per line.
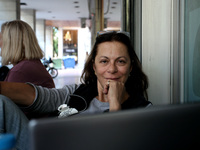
156,50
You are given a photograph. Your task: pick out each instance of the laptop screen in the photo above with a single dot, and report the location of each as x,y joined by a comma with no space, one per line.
156,127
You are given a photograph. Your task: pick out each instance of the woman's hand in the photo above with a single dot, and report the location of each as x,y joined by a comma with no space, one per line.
115,94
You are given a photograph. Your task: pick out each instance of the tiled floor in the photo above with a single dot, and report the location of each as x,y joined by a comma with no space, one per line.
67,76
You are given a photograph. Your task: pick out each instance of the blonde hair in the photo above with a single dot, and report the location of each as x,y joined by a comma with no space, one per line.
18,42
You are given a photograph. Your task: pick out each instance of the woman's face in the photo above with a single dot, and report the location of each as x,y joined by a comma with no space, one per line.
112,62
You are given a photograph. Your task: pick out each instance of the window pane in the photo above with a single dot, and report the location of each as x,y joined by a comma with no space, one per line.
192,50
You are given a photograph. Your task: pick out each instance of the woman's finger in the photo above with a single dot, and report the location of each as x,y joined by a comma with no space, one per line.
106,87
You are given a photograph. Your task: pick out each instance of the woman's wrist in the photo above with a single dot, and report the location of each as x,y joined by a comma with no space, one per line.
115,106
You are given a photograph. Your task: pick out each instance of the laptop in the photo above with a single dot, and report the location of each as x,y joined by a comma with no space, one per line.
164,127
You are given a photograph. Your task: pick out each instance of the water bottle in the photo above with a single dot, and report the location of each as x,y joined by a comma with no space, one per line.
7,141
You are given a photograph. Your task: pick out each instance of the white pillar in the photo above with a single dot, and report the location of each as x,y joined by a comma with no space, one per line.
40,33
84,45
9,10
60,43
28,15
49,42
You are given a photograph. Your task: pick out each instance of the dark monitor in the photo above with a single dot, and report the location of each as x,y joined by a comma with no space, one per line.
157,128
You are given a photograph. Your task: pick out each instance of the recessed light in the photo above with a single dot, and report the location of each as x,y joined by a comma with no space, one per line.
78,12
24,4
76,6
49,12
76,2
113,7
114,3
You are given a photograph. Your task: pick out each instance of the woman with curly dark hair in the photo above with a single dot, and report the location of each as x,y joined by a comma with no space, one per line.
112,80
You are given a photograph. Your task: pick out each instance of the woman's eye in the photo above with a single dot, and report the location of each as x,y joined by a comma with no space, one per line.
103,61
121,61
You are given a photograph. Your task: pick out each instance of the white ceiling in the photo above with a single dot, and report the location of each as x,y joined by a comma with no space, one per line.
66,10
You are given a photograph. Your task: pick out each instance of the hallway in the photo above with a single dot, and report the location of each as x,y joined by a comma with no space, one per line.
67,76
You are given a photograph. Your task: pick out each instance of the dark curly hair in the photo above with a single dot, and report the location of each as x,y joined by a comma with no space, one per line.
137,82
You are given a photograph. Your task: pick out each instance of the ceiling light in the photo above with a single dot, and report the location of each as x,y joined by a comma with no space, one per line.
76,2
24,4
76,6
114,3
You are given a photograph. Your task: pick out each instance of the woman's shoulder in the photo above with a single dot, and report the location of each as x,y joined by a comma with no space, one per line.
26,64
136,102
33,61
